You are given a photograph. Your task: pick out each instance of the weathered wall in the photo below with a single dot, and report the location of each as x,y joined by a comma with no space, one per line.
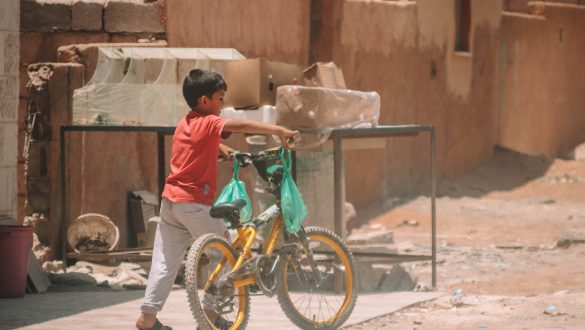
404,50
9,47
102,168
277,30
542,108
51,88
46,25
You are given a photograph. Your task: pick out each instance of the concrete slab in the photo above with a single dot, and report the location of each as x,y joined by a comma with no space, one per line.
119,309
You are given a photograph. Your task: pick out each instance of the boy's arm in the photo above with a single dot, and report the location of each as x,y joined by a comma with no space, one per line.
256,127
225,151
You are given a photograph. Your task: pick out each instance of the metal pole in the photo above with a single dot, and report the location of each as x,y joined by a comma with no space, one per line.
160,147
337,200
338,185
62,223
433,208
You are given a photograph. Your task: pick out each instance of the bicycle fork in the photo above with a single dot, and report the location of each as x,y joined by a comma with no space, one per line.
317,279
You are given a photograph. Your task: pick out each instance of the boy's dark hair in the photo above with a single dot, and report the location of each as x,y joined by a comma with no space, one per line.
199,83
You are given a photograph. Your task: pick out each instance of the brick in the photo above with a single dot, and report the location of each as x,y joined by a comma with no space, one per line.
36,47
9,99
132,17
45,16
9,15
87,16
9,55
87,54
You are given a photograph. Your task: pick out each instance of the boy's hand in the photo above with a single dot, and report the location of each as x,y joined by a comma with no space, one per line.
286,134
224,152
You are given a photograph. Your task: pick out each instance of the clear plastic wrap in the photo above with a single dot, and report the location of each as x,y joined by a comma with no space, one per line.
325,108
141,86
316,111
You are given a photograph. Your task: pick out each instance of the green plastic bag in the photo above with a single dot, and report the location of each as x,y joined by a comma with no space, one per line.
293,207
236,189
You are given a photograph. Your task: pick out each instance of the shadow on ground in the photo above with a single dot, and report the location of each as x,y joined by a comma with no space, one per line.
505,171
58,302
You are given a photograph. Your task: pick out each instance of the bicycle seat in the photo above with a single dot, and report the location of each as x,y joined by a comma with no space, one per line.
226,210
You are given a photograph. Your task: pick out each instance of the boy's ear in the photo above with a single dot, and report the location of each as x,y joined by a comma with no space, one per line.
203,100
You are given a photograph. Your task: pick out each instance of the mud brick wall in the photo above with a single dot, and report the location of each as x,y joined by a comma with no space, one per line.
51,89
542,77
412,63
277,30
46,25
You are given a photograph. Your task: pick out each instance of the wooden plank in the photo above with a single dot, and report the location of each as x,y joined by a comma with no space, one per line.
39,280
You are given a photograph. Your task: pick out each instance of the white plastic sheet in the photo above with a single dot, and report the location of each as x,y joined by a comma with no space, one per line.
141,86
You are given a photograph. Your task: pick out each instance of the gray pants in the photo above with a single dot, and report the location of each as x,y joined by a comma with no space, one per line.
180,225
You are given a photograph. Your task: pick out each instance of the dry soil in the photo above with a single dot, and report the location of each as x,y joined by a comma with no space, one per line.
497,233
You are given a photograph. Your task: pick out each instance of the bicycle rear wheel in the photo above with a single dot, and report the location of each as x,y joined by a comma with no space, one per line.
324,306
209,258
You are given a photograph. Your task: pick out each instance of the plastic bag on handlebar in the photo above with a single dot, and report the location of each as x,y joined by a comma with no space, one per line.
293,207
236,189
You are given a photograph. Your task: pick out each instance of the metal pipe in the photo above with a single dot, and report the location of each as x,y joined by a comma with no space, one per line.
433,209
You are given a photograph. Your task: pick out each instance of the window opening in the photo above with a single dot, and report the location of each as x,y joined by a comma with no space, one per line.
462,25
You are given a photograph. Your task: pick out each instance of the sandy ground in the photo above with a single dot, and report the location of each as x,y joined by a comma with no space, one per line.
497,230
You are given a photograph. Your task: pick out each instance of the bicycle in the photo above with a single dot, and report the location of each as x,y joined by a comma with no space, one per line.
311,272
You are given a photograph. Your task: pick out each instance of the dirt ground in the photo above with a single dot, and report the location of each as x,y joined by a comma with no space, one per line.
497,233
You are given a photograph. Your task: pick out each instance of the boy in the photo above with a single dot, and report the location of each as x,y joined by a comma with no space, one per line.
190,188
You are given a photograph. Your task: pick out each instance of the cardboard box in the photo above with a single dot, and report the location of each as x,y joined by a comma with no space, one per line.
323,74
318,107
253,82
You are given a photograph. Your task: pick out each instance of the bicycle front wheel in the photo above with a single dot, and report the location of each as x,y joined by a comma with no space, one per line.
209,259
324,305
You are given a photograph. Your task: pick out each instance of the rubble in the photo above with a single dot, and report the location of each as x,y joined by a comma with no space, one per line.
123,276
377,237
572,236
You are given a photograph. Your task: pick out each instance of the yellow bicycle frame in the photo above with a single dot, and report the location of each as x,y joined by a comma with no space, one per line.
244,239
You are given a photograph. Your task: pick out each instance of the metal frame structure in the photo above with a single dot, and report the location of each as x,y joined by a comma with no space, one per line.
337,136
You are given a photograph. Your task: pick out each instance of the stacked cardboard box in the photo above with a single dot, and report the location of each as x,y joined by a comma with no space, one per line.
253,82
316,97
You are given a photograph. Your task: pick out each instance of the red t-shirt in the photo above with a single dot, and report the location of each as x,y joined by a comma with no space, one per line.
194,153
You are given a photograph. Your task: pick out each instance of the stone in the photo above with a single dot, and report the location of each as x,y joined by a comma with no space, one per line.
132,17
367,279
87,16
44,16
73,279
396,279
373,248
376,237
578,153
86,54
572,236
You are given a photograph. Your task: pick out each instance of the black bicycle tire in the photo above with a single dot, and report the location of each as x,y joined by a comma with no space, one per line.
193,258
291,311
